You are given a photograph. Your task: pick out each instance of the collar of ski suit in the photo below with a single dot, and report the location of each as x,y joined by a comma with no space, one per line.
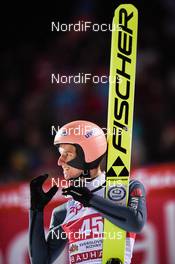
97,183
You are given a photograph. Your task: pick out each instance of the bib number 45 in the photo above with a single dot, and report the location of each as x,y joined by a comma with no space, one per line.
92,226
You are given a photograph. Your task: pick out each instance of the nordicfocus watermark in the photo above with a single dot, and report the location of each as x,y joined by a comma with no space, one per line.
85,234
83,78
86,131
84,26
83,182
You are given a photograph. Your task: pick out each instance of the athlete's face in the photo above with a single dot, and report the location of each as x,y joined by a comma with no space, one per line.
67,153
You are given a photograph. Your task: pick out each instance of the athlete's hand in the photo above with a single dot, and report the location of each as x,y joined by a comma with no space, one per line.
81,194
38,197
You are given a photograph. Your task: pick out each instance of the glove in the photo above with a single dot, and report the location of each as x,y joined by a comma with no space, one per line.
81,194
38,197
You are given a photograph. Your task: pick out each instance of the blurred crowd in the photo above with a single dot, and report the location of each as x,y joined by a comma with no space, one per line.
30,105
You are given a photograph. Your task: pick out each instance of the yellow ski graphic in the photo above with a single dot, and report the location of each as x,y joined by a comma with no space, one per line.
120,121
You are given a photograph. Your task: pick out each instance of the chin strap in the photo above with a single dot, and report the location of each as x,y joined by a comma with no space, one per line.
80,163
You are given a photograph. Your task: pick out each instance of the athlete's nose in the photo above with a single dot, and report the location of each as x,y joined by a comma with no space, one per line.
61,160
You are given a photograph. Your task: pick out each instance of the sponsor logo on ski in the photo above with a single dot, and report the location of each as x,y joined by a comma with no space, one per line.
116,193
118,163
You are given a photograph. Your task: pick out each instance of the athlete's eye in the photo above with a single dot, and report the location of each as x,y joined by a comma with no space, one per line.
70,154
